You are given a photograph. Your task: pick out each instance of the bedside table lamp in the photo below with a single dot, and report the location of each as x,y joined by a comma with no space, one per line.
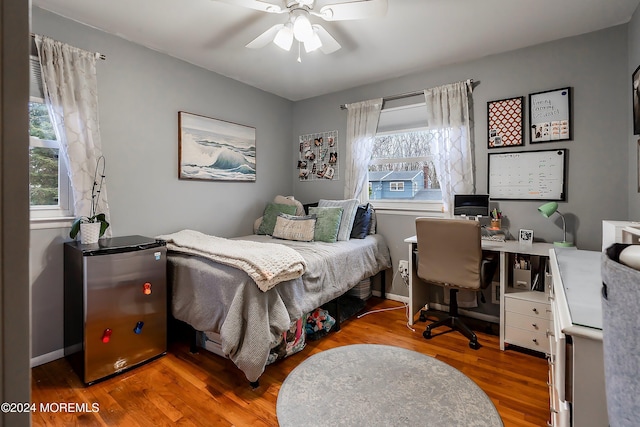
549,209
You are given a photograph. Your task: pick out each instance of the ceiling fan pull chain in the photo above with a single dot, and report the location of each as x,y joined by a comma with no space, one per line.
299,59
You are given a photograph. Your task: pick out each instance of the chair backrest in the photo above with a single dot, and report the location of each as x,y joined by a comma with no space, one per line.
449,252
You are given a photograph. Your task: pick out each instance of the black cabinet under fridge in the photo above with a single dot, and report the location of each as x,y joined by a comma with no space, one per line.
115,304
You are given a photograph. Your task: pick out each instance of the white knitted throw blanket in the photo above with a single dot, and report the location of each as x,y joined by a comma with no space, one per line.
266,263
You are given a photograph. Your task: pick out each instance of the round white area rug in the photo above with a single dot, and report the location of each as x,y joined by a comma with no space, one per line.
379,385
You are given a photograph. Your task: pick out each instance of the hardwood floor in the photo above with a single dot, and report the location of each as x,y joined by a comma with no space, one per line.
207,390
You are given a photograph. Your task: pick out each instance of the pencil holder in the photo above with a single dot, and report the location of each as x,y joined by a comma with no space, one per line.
496,224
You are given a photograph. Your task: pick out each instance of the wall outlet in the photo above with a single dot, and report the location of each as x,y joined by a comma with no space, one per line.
403,268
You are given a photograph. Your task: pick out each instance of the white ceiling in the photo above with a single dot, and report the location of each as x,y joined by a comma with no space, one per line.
414,35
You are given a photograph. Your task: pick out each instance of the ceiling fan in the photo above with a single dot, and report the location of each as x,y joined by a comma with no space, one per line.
299,26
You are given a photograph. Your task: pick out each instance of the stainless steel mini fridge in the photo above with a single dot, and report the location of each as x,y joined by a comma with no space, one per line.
115,304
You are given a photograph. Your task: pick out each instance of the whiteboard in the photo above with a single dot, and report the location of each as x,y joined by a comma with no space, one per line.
527,175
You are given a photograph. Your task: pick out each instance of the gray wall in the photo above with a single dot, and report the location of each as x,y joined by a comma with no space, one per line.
633,31
140,93
595,65
14,211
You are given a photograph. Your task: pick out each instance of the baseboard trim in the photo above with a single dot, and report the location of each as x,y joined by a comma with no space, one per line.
46,358
468,313
392,297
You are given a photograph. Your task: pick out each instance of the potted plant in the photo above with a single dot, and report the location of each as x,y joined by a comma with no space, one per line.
92,227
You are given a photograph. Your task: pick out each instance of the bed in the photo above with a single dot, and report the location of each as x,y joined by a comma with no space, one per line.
213,297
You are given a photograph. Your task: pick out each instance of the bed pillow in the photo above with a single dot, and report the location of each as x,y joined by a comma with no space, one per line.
271,213
289,200
327,223
350,208
290,227
361,222
373,225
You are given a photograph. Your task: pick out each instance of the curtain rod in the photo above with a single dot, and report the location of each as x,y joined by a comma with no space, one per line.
400,96
98,54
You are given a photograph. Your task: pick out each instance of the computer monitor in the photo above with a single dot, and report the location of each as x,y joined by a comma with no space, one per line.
471,204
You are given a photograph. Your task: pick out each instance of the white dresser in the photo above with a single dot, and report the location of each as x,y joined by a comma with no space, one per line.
576,364
527,320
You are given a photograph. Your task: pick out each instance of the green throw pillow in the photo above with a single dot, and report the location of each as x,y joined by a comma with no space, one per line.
271,213
327,224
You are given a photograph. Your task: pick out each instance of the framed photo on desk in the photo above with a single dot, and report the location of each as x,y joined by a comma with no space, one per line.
525,237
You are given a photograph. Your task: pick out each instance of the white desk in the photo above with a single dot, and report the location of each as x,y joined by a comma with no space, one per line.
576,362
419,293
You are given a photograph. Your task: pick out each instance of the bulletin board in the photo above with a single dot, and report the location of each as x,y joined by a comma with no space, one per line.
318,157
528,175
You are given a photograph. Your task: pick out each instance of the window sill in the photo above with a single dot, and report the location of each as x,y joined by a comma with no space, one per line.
433,209
49,223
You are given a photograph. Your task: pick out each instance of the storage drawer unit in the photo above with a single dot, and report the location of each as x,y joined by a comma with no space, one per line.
115,304
527,320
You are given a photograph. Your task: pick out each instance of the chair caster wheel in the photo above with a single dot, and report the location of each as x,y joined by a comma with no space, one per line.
474,345
427,334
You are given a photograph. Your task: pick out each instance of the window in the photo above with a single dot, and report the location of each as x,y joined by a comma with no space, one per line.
402,169
402,173
49,185
397,186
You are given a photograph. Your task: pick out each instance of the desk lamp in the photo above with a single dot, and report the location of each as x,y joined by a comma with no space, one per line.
549,209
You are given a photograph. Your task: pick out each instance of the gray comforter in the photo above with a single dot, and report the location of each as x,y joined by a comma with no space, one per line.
214,297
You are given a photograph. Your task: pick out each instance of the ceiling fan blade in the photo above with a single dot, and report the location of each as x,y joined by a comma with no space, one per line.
265,38
354,10
258,5
329,44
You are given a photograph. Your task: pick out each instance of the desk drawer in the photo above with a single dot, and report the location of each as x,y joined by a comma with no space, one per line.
528,308
537,341
528,323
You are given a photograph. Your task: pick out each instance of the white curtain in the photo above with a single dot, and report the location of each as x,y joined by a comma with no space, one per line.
448,121
70,86
362,122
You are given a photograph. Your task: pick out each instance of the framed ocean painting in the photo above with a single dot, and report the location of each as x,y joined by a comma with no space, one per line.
215,150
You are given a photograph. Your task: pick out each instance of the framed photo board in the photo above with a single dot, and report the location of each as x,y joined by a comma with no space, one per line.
550,115
505,122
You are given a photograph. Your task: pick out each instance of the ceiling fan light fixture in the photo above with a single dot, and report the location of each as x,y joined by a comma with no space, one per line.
284,38
302,29
313,43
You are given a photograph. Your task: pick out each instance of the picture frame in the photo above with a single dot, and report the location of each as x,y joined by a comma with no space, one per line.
635,88
505,122
215,150
550,116
525,237
318,156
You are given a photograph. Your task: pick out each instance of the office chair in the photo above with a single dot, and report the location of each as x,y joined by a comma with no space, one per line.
450,254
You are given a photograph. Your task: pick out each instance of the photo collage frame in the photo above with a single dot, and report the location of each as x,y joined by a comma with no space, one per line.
550,119
318,156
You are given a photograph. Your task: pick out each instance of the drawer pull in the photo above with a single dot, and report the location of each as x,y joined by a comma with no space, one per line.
535,340
535,310
535,325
